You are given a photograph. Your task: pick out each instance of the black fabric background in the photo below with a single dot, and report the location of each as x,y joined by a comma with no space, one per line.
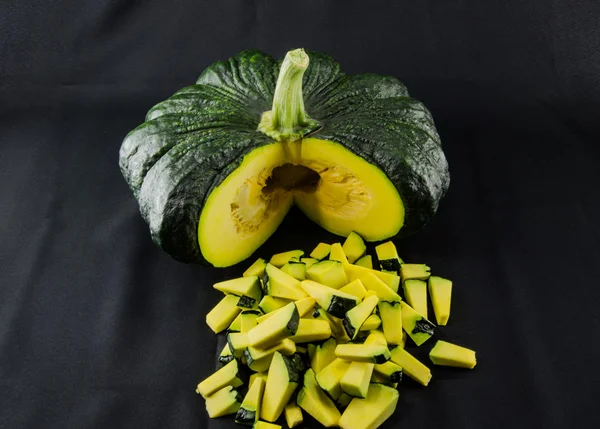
100,329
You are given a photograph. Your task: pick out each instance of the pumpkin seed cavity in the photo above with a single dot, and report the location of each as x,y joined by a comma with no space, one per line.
336,188
290,177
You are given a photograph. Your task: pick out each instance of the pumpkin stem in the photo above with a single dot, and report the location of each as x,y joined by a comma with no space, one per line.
287,120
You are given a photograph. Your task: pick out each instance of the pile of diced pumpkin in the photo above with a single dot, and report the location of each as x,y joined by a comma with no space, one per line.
325,335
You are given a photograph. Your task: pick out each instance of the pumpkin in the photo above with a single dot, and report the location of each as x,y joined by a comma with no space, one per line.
216,167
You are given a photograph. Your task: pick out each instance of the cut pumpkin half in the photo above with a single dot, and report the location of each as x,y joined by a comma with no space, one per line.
334,187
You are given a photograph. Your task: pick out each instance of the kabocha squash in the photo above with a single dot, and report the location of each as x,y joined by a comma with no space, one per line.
310,330
371,412
223,314
229,375
336,354
248,413
448,354
372,353
225,401
390,370
440,290
277,328
286,347
372,322
411,366
312,399
355,288
355,317
282,379
293,414
322,354
355,381
330,377
216,167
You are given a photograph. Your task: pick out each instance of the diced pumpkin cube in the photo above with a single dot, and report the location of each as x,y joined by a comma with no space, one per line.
221,316
256,269
295,269
329,378
293,415
382,379
366,262
354,247
357,272
356,288
355,381
304,306
440,291
281,326
337,253
372,322
311,330
248,320
238,342
225,401
411,366
376,337
414,271
448,354
280,259
389,261
247,288
418,328
282,285
328,273
315,402
282,379
371,412
249,411
322,354
286,347
355,317
415,292
256,375
269,303
372,353
391,321
334,302
229,375
392,371
383,291
321,251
